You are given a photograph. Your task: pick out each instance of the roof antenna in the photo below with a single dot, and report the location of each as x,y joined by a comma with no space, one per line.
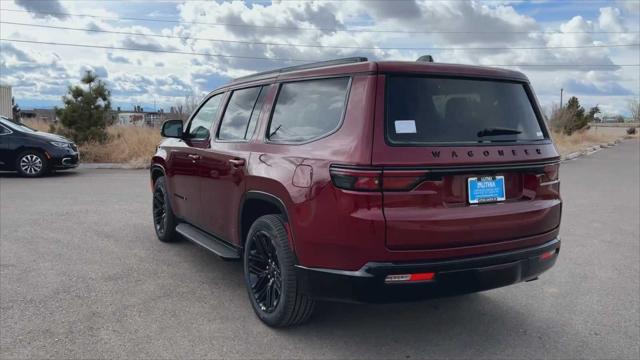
425,58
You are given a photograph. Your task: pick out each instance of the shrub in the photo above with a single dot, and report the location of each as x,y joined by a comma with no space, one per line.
572,117
631,131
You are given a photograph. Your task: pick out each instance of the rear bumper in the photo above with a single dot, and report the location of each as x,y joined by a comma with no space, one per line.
452,277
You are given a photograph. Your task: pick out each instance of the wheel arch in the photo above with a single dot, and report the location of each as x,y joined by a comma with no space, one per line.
156,171
255,204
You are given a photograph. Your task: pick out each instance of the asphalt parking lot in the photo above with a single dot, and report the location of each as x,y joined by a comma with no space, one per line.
83,276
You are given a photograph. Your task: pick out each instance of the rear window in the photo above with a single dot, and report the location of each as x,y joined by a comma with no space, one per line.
241,114
307,110
422,110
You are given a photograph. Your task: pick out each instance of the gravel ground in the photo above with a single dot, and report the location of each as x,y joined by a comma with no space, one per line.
82,276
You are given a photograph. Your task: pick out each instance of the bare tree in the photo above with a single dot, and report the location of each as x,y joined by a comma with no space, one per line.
187,106
562,118
634,109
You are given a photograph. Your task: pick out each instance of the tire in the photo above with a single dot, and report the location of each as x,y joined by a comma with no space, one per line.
269,264
32,163
164,221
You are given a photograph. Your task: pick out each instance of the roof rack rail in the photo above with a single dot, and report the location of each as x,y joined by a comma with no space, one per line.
313,65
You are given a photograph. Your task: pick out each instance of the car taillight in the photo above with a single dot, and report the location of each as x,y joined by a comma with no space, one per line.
368,179
398,180
356,179
550,174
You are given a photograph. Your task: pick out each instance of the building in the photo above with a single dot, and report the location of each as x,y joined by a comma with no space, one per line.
613,119
131,119
6,105
48,115
149,118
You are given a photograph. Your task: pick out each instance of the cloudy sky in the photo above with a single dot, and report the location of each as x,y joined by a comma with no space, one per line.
195,46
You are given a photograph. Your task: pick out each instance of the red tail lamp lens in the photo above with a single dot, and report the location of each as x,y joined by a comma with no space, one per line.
355,179
551,173
375,179
401,179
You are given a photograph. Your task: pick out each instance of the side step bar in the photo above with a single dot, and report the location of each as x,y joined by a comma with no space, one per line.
208,242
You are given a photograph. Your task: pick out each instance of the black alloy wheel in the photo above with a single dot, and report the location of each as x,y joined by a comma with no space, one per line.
164,221
273,285
159,210
265,274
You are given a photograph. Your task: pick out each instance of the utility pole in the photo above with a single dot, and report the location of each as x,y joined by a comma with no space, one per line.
561,91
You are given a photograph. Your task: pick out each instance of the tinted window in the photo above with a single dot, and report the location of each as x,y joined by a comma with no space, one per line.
437,110
240,114
3,130
306,110
201,122
256,113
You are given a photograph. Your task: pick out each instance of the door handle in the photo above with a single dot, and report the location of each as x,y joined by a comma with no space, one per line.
236,162
194,157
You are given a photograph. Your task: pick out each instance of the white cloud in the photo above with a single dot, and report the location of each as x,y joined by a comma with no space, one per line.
142,77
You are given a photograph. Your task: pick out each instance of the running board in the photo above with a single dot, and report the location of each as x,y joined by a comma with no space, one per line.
208,242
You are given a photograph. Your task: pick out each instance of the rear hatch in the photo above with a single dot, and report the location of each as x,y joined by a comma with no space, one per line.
464,162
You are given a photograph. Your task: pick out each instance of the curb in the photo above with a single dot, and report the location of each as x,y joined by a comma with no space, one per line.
111,166
589,150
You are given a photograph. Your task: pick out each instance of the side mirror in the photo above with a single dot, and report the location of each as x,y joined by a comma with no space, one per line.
172,129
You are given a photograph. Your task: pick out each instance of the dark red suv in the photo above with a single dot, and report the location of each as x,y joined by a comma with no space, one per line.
364,181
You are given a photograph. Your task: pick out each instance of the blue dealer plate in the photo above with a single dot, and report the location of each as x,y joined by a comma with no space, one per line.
485,189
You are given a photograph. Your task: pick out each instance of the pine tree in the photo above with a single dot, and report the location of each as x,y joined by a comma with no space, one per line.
86,106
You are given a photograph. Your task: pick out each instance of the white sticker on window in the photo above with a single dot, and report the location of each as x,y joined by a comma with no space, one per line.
405,126
539,133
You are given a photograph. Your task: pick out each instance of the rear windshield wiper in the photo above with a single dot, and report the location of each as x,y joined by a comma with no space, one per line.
498,131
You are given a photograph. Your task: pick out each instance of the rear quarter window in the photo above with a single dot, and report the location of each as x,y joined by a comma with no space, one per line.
308,110
428,110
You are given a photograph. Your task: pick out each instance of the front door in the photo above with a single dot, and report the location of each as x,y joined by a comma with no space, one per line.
6,155
184,161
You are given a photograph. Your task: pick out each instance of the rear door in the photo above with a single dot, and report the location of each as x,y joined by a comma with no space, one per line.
184,159
438,140
222,168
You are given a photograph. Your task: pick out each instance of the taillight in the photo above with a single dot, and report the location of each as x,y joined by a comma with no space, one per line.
356,179
368,179
398,180
550,175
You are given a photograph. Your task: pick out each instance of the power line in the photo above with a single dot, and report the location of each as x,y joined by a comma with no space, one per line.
312,46
282,59
152,50
120,18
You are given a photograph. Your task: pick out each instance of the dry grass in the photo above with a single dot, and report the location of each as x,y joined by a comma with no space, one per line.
134,146
582,139
130,145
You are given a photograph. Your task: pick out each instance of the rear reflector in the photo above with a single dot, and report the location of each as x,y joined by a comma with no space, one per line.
547,255
399,278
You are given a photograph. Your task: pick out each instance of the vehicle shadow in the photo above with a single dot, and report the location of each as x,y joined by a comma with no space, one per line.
460,326
417,329
55,174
